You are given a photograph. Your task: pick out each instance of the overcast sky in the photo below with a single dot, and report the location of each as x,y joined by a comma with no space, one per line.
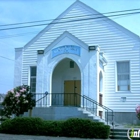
18,11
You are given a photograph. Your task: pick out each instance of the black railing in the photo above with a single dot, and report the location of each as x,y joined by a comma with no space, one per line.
95,107
41,99
75,100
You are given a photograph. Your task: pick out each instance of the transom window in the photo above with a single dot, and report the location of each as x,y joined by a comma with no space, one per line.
33,79
123,76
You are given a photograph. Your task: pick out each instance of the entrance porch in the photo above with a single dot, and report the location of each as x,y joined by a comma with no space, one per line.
66,84
54,106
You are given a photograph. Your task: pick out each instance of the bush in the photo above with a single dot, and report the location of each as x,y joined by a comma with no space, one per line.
101,131
75,127
85,128
22,126
17,101
6,126
53,128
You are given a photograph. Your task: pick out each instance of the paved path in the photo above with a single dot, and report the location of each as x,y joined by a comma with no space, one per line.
29,137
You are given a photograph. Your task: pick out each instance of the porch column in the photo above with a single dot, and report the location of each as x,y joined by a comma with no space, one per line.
39,78
39,81
93,77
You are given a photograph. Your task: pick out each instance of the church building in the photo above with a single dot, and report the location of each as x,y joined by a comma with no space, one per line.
83,52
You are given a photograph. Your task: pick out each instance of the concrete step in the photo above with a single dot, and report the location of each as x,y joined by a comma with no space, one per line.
62,113
91,116
121,134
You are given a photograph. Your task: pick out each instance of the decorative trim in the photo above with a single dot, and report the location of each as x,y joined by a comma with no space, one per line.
66,49
103,59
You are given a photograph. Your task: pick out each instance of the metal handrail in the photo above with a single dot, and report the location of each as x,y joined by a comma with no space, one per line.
77,100
97,103
46,93
102,106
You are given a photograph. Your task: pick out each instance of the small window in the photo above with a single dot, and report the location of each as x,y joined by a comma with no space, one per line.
33,71
71,64
33,79
123,76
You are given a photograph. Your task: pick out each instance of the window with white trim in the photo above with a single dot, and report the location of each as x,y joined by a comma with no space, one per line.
123,76
33,79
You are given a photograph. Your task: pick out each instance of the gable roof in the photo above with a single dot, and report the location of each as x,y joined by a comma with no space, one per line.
52,23
92,11
70,36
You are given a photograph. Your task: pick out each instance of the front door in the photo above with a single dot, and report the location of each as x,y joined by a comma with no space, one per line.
72,91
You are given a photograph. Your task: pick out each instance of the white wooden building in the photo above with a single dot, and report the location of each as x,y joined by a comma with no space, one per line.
91,56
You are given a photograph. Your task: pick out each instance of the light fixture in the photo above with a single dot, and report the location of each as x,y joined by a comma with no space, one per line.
91,48
40,51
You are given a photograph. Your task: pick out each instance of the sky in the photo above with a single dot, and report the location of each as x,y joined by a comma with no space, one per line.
20,11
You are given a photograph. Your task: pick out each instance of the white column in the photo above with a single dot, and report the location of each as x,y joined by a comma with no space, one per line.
93,68
39,80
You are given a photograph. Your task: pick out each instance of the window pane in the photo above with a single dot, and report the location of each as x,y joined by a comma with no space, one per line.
123,88
32,85
33,79
123,76
71,64
33,90
123,82
123,67
33,71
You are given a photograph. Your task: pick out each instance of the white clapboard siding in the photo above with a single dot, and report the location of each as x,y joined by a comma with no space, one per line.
116,44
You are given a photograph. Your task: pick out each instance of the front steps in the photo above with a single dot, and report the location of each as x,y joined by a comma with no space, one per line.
121,134
62,113
91,116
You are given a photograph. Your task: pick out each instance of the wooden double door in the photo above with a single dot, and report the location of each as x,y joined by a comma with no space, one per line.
72,92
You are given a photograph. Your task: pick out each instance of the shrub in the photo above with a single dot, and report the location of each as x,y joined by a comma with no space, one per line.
99,131
53,128
22,126
85,128
6,126
75,127
18,101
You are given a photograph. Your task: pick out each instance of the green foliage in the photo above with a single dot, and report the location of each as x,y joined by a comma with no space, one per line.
53,128
25,125
75,127
18,101
102,131
85,128
6,126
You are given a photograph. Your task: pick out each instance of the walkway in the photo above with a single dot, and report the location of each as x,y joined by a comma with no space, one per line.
28,137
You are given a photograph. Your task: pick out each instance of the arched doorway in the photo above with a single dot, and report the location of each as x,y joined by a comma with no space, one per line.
66,84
